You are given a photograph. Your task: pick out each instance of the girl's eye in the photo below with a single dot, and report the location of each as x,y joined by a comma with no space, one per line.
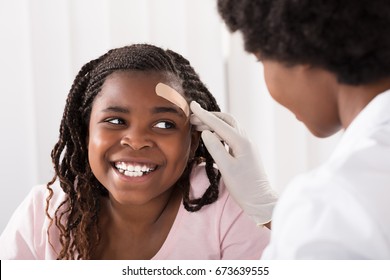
115,121
165,125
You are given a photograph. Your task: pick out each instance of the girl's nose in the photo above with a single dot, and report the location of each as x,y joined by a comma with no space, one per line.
136,139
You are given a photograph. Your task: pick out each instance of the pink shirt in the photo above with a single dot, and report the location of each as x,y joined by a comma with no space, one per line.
218,231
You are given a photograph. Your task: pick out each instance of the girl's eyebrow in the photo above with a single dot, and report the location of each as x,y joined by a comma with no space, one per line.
155,110
116,109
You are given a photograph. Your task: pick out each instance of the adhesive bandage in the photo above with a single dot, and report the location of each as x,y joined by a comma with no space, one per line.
173,96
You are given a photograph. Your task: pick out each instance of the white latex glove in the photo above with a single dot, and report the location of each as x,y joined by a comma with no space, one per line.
241,169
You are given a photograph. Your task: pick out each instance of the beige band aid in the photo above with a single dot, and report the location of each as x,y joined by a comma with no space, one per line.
173,96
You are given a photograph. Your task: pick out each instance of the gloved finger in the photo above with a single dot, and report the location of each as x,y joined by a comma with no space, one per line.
225,131
216,149
200,126
195,120
226,118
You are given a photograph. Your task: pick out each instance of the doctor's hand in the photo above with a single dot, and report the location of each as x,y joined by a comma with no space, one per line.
241,170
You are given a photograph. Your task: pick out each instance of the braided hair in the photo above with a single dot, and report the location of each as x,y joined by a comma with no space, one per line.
77,216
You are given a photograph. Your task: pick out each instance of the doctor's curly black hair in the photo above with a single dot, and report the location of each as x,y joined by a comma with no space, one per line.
77,216
348,38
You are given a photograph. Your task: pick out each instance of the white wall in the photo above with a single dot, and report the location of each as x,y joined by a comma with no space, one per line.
43,44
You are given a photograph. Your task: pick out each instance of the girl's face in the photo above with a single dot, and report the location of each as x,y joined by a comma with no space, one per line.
139,143
309,93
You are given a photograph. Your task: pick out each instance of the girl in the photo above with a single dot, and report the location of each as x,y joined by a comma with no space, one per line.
132,179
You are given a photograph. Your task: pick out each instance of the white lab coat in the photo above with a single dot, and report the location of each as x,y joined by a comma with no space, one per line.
341,210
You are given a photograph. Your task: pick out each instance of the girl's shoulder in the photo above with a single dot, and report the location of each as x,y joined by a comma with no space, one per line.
25,236
39,194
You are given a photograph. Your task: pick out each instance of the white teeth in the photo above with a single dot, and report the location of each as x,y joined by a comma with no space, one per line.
130,168
145,168
133,170
133,174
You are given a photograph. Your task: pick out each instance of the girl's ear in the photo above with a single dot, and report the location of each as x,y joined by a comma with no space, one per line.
195,139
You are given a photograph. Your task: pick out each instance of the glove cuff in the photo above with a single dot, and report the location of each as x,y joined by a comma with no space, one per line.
263,213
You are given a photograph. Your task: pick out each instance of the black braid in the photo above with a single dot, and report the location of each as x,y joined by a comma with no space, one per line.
77,216
195,90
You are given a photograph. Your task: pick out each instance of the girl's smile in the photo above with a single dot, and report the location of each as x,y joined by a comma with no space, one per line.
134,169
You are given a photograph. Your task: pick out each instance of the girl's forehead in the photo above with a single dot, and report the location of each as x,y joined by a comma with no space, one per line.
150,76
160,84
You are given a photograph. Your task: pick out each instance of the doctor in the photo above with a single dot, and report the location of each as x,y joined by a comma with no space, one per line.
329,63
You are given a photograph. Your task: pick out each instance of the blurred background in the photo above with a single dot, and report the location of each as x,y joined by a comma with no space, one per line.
44,43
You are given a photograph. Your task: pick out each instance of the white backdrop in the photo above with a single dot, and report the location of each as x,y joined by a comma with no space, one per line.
43,44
